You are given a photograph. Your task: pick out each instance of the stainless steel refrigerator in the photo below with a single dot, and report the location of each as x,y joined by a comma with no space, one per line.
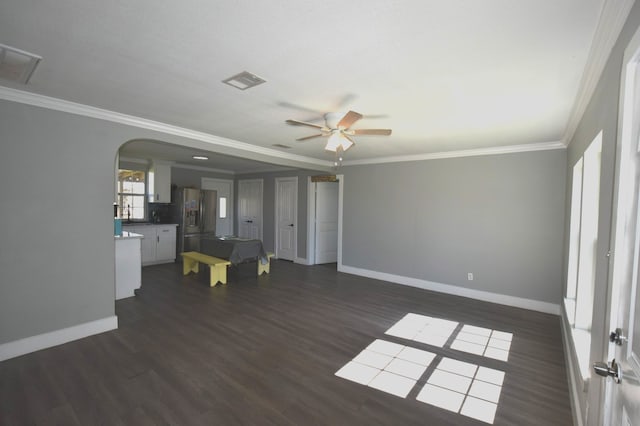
195,214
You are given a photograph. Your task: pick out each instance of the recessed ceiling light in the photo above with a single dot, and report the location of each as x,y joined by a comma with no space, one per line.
200,157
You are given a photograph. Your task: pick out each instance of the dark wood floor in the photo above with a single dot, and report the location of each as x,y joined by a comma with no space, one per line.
264,350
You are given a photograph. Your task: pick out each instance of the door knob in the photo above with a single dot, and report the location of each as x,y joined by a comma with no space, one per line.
291,224
617,337
605,370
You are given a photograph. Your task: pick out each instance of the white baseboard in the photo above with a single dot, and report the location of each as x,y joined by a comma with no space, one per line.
518,302
57,337
301,261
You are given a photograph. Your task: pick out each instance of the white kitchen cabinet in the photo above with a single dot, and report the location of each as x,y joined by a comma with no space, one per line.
158,244
166,243
159,186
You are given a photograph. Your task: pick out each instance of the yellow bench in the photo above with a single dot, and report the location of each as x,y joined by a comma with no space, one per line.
265,268
192,259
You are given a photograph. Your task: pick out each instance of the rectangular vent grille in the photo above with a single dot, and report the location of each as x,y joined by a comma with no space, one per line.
243,81
279,145
17,65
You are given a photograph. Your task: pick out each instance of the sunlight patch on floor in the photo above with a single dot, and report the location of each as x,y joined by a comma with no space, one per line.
464,388
388,367
461,387
423,329
484,342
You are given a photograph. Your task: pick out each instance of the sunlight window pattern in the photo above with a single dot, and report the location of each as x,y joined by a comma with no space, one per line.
464,388
388,367
423,329
483,341
468,389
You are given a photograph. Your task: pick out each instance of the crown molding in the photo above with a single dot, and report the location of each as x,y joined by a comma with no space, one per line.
264,171
202,168
34,99
209,169
613,16
545,146
42,101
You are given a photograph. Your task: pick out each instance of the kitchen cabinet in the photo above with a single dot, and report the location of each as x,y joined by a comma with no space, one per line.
166,243
159,186
159,243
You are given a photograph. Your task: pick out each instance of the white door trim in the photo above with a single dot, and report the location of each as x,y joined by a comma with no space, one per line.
311,220
340,211
276,215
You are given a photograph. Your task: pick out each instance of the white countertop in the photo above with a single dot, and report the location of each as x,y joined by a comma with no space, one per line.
127,235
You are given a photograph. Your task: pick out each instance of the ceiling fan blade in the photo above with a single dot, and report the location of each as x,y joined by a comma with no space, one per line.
300,108
309,137
345,100
382,132
304,123
348,120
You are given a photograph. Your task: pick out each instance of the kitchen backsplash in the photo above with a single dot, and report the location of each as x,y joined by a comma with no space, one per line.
159,213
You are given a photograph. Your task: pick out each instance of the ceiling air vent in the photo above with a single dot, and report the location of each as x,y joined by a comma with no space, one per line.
17,65
243,81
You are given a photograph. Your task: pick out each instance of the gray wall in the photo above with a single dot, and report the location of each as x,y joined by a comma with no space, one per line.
499,216
57,257
601,114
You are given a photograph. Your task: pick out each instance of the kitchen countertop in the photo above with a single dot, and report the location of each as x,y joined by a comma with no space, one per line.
126,235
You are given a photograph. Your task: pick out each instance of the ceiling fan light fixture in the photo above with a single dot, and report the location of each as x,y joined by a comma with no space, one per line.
338,141
346,143
334,142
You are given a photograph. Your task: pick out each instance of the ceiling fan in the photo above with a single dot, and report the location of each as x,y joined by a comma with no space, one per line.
338,128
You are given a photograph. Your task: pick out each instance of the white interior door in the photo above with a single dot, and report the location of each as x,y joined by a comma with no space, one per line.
622,400
250,208
286,217
224,188
326,225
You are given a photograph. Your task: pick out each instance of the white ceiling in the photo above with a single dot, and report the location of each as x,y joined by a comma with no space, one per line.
444,75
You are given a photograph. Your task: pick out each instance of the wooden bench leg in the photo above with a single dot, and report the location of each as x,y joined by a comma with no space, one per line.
264,268
218,274
189,265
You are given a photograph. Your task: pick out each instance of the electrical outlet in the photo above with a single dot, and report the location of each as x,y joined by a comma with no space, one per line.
470,276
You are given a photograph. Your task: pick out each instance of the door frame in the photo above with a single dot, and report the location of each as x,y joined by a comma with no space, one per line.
311,220
230,204
276,215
